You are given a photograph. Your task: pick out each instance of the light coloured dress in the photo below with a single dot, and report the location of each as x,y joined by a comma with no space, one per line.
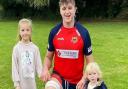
26,63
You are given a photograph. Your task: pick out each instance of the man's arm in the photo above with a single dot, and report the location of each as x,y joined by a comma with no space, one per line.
47,65
89,59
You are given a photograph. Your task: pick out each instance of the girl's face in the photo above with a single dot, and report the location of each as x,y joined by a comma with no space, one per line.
92,76
67,12
25,32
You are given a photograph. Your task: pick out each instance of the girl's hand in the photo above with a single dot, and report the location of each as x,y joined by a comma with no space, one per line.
45,75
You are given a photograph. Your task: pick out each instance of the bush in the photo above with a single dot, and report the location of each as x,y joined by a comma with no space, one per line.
1,12
123,14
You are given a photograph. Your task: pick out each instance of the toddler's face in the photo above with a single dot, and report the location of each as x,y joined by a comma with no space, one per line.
93,76
25,31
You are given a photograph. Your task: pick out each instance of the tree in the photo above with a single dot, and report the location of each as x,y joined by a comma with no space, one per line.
38,3
114,8
49,8
124,10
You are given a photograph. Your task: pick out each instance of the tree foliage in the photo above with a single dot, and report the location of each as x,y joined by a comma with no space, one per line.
49,8
38,3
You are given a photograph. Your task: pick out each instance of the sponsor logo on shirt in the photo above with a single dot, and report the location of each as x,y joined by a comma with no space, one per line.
48,46
89,49
72,54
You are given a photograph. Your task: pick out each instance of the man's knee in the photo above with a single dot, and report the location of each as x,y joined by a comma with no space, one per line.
50,88
52,85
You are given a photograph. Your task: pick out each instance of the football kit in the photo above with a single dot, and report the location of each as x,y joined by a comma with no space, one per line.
69,45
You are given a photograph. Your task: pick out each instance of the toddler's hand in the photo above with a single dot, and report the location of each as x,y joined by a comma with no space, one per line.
81,84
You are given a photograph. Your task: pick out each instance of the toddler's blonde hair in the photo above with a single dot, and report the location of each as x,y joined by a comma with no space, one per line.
94,66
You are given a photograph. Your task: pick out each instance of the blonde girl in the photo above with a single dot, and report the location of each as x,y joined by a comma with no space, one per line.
26,60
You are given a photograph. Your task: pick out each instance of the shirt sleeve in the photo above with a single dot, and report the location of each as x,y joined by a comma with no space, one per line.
87,49
15,67
50,41
39,66
53,32
87,44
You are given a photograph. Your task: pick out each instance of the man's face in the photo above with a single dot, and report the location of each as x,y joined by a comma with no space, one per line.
67,12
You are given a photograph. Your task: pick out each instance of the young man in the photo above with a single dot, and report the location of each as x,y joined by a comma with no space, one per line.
69,42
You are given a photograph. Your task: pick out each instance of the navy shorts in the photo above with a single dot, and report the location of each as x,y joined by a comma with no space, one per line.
65,84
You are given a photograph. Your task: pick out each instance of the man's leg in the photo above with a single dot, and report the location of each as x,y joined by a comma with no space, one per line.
54,83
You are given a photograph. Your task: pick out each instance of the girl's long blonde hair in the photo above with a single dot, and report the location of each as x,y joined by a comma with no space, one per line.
20,22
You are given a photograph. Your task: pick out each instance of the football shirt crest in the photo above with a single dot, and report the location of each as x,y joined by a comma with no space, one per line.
74,39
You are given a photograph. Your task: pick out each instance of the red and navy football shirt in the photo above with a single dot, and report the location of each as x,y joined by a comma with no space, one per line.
69,45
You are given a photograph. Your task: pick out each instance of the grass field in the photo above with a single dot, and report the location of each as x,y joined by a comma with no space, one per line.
110,49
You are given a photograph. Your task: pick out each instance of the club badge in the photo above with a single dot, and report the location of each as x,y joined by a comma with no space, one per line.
74,39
